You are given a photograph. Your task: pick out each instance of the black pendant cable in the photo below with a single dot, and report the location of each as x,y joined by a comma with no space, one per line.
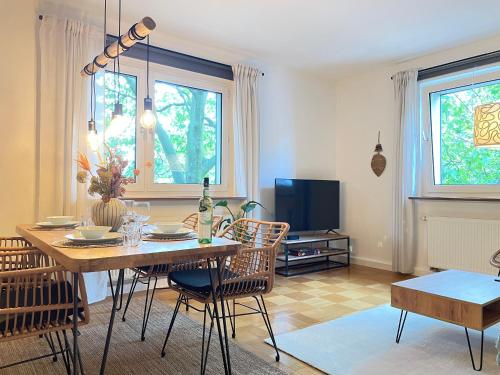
148,117
118,109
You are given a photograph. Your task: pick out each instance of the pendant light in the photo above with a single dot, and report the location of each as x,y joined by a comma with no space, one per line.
117,119
92,137
148,117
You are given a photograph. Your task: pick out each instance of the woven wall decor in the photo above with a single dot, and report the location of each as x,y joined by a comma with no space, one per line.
378,160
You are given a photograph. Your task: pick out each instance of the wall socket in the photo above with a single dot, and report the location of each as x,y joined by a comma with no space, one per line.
380,244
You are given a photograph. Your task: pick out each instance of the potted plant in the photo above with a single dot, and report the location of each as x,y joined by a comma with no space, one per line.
244,209
109,183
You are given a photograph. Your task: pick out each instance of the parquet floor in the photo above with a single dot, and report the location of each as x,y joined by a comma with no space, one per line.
301,301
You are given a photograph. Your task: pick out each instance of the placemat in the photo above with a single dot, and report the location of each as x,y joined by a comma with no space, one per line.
149,237
37,228
68,243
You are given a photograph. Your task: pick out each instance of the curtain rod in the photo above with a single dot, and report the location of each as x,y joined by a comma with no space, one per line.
458,65
40,17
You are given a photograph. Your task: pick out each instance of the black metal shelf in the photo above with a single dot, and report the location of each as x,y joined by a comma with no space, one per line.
297,265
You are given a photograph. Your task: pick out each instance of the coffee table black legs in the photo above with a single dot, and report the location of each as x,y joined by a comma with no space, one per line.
116,296
401,325
470,351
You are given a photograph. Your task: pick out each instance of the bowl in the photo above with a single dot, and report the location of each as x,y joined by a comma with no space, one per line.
93,232
168,227
59,219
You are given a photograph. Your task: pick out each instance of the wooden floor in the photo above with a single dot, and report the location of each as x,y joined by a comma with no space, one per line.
301,301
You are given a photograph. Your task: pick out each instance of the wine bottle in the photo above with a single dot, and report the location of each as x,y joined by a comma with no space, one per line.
205,215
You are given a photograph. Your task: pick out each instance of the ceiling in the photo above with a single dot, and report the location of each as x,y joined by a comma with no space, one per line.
330,37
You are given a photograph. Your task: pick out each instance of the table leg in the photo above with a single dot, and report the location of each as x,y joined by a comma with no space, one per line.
216,313
401,325
116,296
470,351
75,323
220,277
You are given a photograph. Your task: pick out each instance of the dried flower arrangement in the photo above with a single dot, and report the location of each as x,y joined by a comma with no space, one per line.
108,180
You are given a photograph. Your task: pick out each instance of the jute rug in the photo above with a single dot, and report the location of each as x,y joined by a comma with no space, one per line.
363,343
128,355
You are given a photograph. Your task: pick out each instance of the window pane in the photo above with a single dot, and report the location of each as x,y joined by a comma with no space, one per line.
188,134
456,160
119,136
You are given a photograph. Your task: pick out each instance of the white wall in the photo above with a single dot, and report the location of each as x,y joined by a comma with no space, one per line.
17,115
296,118
364,105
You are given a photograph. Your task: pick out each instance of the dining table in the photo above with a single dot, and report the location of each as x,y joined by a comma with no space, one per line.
78,260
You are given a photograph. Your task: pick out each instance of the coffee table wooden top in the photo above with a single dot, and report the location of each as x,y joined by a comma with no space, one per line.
118,257
464,286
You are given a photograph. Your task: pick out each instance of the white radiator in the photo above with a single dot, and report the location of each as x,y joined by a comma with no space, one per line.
464,244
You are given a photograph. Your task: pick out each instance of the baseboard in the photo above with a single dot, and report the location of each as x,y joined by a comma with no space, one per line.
387,266
373,263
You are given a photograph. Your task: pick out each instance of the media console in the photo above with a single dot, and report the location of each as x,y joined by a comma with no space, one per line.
290,265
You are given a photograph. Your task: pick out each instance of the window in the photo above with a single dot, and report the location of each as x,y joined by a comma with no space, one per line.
448,117
191,138
188,134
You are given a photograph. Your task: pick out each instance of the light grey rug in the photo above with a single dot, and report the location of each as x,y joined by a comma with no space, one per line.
364,343
128,355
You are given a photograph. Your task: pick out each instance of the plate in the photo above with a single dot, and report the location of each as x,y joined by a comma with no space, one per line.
108,237
183,232
48,224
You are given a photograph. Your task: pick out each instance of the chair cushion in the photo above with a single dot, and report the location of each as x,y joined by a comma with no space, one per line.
198,281
39,297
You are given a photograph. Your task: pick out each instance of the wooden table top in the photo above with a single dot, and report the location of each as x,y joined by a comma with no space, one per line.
118,257
464,286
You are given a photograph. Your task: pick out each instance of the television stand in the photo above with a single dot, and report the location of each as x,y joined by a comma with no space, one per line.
291,265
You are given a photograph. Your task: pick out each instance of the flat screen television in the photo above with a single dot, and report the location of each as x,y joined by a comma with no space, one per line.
307,205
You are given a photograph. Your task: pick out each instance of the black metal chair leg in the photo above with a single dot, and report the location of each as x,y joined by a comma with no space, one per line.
470,351
113,292
147,307
216,314
174,315
187,303
267,322
50,341
63,350
232,319
70,354
135,279
401,325
204,360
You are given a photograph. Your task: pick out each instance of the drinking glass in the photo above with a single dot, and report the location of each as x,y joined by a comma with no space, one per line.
132,232
142,211
130,213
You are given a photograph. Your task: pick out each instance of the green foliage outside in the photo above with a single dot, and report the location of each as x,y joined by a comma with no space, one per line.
187,139
461,162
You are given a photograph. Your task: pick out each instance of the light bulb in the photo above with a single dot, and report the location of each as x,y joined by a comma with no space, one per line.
118,119
92,137
148,117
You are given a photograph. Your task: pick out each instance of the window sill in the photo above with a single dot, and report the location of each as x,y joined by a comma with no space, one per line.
181,198
462,199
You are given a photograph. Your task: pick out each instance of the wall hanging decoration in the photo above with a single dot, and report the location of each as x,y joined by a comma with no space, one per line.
378,160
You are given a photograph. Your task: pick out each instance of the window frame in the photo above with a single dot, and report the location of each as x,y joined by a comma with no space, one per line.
145,186
443,83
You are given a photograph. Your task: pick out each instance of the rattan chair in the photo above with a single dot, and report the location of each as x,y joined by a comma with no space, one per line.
14,243
495,261
153,272
249,274
36,300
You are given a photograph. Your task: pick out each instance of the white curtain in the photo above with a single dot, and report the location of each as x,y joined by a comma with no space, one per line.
65,47
407,161
246,132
